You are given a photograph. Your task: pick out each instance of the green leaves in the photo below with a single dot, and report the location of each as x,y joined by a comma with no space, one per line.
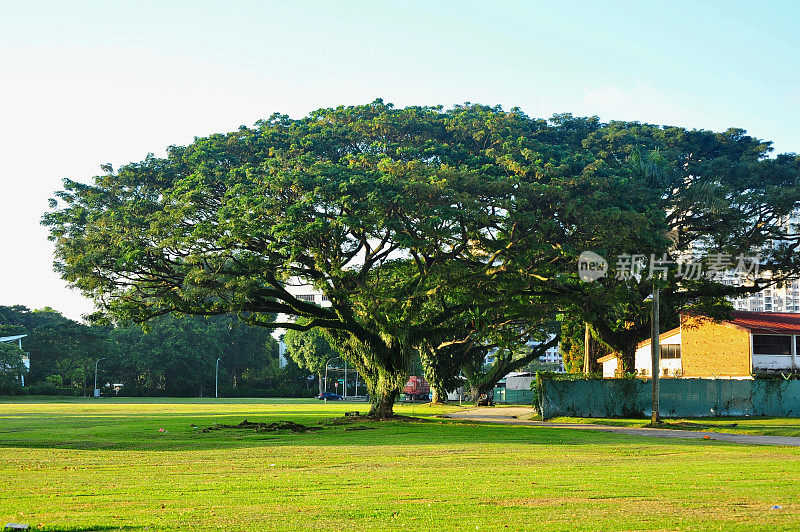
411,221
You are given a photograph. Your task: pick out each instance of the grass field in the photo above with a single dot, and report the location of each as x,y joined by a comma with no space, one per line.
744,425
105,465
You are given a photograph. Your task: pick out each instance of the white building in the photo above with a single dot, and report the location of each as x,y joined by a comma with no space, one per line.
670,362
551,356
303,292
785,298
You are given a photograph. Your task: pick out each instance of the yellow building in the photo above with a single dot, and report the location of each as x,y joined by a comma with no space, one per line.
749,343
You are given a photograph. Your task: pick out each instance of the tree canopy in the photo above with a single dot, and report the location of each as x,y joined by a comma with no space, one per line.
424,227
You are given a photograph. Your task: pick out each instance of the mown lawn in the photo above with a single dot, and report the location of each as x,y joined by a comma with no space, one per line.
766,426
104,465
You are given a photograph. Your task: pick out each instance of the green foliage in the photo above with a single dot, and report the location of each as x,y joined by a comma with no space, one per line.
56,380
176,356
57,345
309,349
507,358
11,365
572,343
425,228
711,191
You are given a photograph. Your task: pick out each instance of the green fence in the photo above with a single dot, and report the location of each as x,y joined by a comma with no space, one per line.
678,398
504,395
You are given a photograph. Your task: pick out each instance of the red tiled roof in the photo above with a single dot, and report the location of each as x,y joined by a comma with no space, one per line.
769,322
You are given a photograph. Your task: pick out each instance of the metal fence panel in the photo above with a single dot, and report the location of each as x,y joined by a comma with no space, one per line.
679,398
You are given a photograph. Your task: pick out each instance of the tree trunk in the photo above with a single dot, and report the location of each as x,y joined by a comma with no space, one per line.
321,386
477,391
438,397
383,403
587,349
627,359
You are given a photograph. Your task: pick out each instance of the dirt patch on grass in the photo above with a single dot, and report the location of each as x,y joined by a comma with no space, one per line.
353,417
263,427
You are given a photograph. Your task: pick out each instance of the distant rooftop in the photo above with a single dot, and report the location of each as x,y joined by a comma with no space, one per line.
12,338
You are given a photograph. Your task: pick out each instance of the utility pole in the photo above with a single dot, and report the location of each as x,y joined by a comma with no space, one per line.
96,390
655,352
587,349
216,380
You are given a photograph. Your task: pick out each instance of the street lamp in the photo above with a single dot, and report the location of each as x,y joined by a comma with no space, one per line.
96,390
326,372
216,380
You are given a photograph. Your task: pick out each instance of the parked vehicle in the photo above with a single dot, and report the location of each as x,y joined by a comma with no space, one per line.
417,389
330,396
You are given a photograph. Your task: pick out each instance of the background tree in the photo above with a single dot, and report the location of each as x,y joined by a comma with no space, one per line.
505,357
57,345
713,193
310,350
176,356
11,366
571,345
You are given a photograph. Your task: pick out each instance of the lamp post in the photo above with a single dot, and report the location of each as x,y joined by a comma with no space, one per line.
216,380
326,372
96,390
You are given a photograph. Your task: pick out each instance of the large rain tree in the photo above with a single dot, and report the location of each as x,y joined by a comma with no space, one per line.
722,202
414,223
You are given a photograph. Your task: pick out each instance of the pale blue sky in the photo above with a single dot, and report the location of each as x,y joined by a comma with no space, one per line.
83,83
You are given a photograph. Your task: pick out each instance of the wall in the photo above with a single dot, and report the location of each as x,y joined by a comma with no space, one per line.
711,349
519,382
610,368
644,362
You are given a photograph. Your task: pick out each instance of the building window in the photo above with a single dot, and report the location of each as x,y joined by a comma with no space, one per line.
670,351
770,344
306,297
325,298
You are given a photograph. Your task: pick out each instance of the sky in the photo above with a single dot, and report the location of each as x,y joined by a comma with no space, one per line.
85,83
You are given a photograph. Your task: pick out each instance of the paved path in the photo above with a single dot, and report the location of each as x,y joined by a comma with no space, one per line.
520,415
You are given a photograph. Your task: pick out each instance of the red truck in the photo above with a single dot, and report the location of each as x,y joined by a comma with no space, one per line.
417,389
